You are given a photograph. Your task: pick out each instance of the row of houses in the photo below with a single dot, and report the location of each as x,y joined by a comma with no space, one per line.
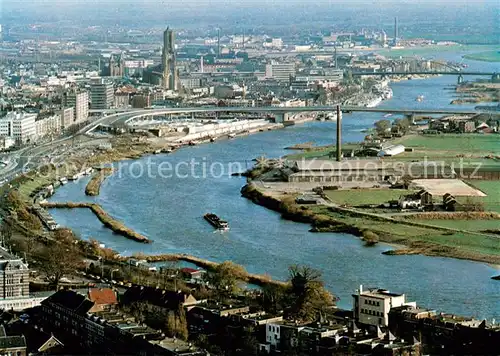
463,125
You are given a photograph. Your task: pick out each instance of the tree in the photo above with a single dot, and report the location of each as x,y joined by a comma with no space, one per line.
274,297
382,126
138,311
176,324
57,261
225,278
403,125
309,297
6,232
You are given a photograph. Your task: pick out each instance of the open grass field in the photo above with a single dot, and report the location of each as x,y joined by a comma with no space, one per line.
30,186
471,225
467,244
492,189
355,197
488,56
463,144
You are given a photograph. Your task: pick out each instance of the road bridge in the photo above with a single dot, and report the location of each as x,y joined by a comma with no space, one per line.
121,119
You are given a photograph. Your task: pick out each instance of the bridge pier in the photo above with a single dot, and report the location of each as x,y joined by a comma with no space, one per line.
281,117
460,79
411,118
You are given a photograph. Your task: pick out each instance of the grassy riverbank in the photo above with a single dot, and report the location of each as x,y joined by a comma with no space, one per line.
419,237
104,217
94,185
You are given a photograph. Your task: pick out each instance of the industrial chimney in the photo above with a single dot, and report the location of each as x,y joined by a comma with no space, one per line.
339,129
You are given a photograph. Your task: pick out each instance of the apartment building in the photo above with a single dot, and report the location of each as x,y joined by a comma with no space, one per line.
48,126
67,117
79,101
372,306
20,126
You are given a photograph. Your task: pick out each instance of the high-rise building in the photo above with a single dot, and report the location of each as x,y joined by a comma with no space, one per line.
280,71
20,126
101,94
168,60
79,101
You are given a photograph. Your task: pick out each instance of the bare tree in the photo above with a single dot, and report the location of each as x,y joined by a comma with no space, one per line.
58,261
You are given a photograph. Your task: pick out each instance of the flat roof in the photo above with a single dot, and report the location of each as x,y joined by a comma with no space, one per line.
380,293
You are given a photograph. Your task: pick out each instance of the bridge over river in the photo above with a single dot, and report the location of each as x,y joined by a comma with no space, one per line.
120,118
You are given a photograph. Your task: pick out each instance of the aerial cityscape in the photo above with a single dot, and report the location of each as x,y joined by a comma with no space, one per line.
249,178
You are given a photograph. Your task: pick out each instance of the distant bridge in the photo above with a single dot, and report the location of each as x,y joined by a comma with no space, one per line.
121,118
491,74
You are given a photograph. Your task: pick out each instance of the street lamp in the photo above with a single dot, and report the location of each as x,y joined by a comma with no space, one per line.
112,271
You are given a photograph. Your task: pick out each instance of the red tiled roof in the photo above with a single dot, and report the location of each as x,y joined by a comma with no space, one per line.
189,270
102,296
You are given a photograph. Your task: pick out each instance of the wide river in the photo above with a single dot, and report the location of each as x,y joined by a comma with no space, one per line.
170,210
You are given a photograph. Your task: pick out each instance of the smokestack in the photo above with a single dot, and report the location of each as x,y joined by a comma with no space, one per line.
201,64
395,31
243,38
336,66
218,42
339,128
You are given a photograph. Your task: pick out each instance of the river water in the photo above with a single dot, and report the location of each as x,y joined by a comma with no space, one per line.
170,210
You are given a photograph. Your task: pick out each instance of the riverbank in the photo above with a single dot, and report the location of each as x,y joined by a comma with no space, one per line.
252,278
106,219
477,92
94,185
487,56
417,237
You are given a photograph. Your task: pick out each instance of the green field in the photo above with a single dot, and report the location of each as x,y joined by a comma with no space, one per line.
464,144
471,225
354,197
492,189
466,244
489,56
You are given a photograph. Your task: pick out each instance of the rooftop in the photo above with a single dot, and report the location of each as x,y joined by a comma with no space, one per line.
379,293
102,296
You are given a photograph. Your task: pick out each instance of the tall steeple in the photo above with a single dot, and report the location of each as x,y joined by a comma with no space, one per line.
168,60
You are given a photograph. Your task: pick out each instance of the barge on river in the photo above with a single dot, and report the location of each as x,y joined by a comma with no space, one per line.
217,222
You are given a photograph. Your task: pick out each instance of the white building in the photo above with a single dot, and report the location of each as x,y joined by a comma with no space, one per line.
101,94
371,307
19,126
280,71
6,142
50,125
79,101
67,117
274,43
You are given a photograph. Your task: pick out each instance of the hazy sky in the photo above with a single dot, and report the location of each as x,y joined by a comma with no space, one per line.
254,12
